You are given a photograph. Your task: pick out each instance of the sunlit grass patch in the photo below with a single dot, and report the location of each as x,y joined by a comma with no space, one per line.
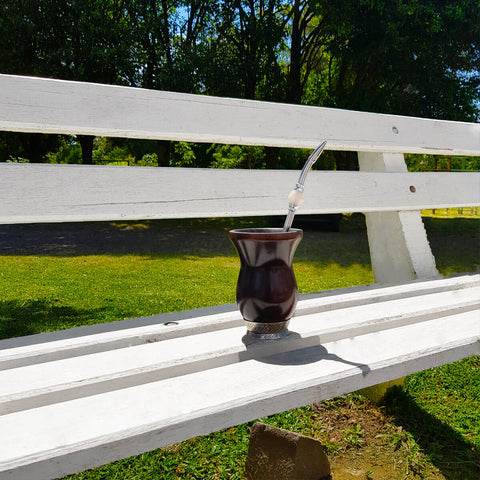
50,293
463,212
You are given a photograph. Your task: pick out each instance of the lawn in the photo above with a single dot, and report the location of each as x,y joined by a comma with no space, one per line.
61,276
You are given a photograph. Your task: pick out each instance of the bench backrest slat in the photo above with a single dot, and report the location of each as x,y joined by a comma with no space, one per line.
48,193
55,106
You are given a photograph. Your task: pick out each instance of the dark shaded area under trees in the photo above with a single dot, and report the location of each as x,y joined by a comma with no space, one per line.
417,58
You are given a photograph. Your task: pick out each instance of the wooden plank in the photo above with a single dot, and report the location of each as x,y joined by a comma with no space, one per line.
32,193
56,106
53,440
47,347
52,382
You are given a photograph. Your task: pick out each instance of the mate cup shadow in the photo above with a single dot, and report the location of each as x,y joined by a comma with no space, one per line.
292,349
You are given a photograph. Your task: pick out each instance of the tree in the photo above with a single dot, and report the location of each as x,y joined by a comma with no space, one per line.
168,46
306,31
403,57
406,58
246,55
85,40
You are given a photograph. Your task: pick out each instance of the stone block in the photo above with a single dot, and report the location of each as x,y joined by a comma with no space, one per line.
277,454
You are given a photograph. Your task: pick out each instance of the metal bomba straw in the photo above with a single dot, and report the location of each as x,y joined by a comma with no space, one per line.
295,198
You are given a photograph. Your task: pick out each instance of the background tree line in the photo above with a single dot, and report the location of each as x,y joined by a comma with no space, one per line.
406,57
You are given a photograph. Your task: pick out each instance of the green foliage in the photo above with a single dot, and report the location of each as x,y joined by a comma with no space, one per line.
473,163
183,155
78,40
421,163
17,160
295,158
237,156
148,160
108,152
404,58
68,152
247,41
32,147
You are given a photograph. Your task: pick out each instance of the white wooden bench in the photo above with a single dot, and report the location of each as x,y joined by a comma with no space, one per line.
74,399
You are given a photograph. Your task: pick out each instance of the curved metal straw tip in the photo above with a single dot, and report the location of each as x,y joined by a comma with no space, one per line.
298,191
316,153
314,156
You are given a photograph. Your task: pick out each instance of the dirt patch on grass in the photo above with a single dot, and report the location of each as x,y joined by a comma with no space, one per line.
362,442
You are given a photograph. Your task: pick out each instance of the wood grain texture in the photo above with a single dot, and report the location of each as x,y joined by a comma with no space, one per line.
55,106
32,193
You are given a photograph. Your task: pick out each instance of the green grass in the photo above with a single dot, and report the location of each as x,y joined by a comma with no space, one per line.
465,212
62,289
446,392
455,243
439,409
52,292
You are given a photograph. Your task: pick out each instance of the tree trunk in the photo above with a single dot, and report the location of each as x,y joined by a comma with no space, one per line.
86,142
34,147
271,157
163,153
346,160
294,89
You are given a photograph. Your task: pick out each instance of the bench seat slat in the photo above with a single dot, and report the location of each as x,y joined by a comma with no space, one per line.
50,382
101,427
32,193
33,349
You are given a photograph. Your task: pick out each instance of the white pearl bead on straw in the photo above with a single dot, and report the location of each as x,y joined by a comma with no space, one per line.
296,197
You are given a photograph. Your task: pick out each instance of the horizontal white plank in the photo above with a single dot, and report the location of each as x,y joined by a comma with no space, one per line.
58,193
58,381
55,106
49,441
47,347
